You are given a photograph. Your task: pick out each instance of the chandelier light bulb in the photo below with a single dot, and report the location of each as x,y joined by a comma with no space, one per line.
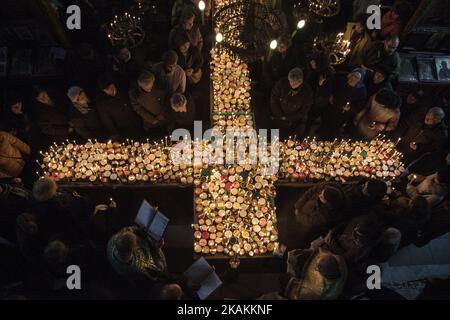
201,5
273,44
301,23
219,37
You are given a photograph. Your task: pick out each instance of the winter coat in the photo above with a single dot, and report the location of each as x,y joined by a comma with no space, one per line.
376,55
292,104
279,66
173,82
306,282
427,187
390,26
181,6
194,35
358,45
427,139
375,119
184,120
313,216
335,117
117,116
52,121
88,125
192,60
147,262
148,105
12,152
355,250
358,202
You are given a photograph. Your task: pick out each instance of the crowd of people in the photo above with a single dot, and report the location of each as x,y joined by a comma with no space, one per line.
349,226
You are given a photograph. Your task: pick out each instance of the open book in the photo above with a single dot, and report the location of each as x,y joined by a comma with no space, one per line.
202,273
154,222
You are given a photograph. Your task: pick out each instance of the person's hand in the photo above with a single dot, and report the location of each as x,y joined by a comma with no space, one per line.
156,121
412,177
331,100
296,212
413,146
321,80
70,129
189,72
160,243
192,285
76,194
100,207
112,204
283,118
346,108
372,126
262,58
329,238
17,181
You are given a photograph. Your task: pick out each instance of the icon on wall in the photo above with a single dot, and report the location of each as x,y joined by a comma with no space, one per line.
426,68
443,68
408,70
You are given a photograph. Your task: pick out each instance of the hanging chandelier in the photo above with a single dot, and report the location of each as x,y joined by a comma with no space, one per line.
336,46
126,30
247,27
325,8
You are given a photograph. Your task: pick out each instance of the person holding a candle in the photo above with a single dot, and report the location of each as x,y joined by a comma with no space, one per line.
348,98
434,188
115,112
428,134
381,114
189,58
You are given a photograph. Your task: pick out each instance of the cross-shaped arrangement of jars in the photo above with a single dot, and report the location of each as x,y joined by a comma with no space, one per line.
235,213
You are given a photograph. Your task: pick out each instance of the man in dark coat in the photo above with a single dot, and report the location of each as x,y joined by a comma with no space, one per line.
83,116
116,113
50,116
148,101
290,102
421,136
319,209
283,60
181,113
361,197
385,53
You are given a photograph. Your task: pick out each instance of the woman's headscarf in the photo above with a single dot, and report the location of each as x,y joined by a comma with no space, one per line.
362,73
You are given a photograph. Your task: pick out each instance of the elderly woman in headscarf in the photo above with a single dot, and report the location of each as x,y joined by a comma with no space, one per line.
348,98
83,117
